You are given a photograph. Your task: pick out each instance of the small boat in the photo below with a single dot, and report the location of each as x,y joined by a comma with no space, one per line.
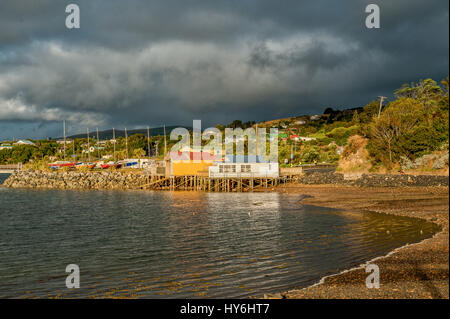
88,165
99,164
130,164
110,165
61,164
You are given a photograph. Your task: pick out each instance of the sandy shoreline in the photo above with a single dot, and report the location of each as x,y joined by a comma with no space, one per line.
413,271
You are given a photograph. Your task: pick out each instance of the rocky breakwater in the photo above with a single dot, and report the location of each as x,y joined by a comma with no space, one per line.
374,180
76,180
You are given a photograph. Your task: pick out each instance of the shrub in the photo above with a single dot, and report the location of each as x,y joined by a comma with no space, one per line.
310,155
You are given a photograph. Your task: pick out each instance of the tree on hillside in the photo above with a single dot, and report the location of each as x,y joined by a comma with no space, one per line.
137,141
139,152
444,84
399,118
235,124
426,91
356,119
369,111
220,127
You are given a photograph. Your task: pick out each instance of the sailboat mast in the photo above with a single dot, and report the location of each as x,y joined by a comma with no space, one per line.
98,149
88,148
148,142
114,143
126,141
64,132
165,141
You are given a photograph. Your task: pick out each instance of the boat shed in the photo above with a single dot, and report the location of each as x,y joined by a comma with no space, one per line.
243,166
191,163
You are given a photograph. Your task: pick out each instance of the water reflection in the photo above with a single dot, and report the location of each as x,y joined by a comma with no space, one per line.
182,244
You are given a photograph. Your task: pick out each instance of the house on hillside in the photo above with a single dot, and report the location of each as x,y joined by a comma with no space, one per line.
61,142
306,139
24,142
5,146
93,149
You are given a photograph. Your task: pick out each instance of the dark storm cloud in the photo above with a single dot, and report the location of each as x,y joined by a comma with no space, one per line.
139,63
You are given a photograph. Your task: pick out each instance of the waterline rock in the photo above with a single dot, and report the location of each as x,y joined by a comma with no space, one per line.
76,180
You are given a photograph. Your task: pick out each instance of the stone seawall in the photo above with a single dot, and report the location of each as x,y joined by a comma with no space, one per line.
128,180
76,180
375,180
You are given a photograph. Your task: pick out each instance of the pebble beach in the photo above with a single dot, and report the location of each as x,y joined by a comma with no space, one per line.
418,271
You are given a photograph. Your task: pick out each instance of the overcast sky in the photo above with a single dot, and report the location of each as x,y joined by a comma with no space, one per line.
136,63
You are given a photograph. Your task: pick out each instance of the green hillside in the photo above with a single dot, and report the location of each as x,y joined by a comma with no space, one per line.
409,132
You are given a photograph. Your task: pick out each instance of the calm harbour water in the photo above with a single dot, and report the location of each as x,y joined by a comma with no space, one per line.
182,244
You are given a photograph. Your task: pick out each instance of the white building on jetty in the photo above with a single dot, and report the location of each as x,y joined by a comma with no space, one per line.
244,167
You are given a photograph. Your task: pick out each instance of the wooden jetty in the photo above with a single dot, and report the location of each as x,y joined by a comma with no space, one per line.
209,184
9,169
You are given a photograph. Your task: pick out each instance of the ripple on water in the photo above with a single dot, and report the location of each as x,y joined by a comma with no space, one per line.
151,245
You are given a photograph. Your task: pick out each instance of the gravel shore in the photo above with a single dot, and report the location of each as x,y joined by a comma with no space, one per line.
415,271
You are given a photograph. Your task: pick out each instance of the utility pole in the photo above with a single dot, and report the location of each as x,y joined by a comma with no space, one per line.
256,143
148,142
381,104
126,141
64,130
